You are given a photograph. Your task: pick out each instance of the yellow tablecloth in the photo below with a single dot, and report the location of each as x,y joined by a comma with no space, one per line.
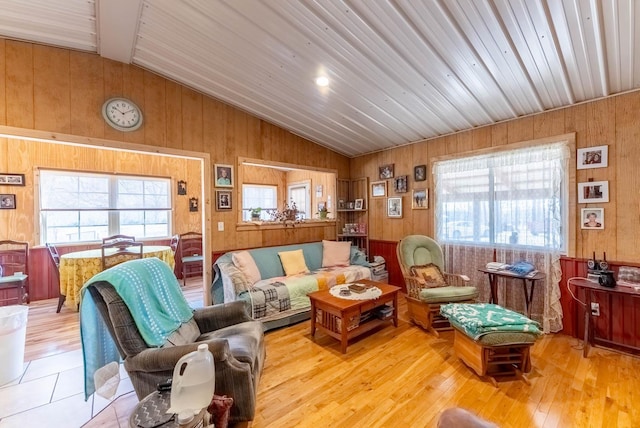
79,267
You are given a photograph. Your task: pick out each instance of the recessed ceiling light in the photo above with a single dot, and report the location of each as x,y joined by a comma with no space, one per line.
322,81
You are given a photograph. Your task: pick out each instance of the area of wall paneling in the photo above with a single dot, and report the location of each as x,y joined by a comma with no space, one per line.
58,90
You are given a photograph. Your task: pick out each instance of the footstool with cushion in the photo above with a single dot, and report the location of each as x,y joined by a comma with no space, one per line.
495,342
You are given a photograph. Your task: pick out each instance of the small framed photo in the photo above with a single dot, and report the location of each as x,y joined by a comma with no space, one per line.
400,184
593,191
223,175
193,205
223,200
420,173
182,187
394,207
386,171
8,202
359,204
420,199
341,204
7,179
593,157
592,218
378,189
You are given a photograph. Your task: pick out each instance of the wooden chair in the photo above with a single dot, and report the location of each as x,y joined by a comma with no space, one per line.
120,252
55,261
118,238
424,300
190,254
14,258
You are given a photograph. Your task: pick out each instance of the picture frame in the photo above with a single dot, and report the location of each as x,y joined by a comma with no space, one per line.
182,187
386,171
223,175
394,207
400,184
593,191
9,179
341,204
193,205
378,189
420,199
420,173
592,218
223,200
359,204
593,157
8,201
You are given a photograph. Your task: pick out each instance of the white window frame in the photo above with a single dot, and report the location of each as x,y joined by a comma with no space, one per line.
306,185
246,208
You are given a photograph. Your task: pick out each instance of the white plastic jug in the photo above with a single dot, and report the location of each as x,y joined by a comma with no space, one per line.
193,383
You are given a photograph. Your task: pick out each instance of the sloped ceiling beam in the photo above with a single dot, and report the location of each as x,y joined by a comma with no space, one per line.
118,28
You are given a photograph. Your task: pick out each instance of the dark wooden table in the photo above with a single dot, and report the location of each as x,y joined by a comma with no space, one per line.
528,291
340,318
589,287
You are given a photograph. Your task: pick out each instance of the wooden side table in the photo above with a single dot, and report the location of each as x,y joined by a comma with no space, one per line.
528,291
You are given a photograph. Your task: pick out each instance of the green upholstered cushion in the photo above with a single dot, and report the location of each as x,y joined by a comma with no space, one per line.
421,250
448,294
500,338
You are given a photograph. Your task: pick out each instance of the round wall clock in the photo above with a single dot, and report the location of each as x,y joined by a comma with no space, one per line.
122,114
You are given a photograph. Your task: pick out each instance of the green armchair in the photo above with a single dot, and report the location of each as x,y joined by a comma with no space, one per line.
428,285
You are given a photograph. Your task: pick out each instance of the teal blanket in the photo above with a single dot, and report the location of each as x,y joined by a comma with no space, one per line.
151,292
477,319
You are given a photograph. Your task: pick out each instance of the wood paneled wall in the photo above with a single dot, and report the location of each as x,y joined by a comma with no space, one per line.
62,91
325,180
611,121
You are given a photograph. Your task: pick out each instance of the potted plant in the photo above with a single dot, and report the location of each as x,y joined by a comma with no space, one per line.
322,212
255,213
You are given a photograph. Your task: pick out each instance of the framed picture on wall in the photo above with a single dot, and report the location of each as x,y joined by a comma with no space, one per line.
378,189
593,157
7,179
386,171
420,173
8,202
394,207
420,199
400,184
223,200
592,218
223,174
593,191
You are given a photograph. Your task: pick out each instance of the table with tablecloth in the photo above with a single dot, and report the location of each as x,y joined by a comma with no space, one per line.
78,267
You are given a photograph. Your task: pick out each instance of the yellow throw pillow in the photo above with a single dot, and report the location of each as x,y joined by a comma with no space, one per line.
430,273
293,262
336,253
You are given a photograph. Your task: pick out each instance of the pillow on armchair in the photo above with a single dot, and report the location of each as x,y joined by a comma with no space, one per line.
430,273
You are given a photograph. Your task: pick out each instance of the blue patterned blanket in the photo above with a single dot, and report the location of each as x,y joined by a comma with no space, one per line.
477,319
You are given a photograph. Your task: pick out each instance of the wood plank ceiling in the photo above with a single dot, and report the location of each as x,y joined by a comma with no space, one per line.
400,71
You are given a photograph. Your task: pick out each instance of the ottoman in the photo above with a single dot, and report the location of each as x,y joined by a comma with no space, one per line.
495,342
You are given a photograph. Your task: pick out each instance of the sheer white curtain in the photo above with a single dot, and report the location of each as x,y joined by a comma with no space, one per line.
510,205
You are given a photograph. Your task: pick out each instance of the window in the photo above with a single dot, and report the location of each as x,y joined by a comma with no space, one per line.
511,198
78,207
300,194
258,196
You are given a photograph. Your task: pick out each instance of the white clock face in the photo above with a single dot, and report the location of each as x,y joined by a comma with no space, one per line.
122,114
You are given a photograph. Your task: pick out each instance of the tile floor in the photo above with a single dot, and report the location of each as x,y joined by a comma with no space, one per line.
51,389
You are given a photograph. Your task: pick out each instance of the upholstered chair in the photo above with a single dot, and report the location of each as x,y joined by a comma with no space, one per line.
428,285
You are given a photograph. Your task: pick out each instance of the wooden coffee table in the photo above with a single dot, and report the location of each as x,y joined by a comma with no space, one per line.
344,319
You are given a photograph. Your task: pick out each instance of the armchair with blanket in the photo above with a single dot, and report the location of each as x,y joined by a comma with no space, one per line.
152,327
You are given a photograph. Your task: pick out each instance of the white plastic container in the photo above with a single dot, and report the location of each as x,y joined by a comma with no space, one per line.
13,333
193,384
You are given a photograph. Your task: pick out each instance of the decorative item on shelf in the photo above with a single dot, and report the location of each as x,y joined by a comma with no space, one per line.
193,205
255,213
288,216
7,179
359,204
8,202
341,204
182,187
420,173
322,211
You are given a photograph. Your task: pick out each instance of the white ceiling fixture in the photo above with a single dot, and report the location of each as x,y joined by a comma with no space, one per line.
322,81
401,71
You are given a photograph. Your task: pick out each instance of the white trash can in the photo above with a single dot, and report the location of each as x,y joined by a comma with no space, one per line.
13,333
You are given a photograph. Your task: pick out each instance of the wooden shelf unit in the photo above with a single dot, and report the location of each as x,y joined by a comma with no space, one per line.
348,190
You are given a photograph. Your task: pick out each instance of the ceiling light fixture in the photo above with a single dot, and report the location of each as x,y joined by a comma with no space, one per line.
322,81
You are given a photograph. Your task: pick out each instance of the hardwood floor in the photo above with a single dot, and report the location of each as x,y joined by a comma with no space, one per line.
405,377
